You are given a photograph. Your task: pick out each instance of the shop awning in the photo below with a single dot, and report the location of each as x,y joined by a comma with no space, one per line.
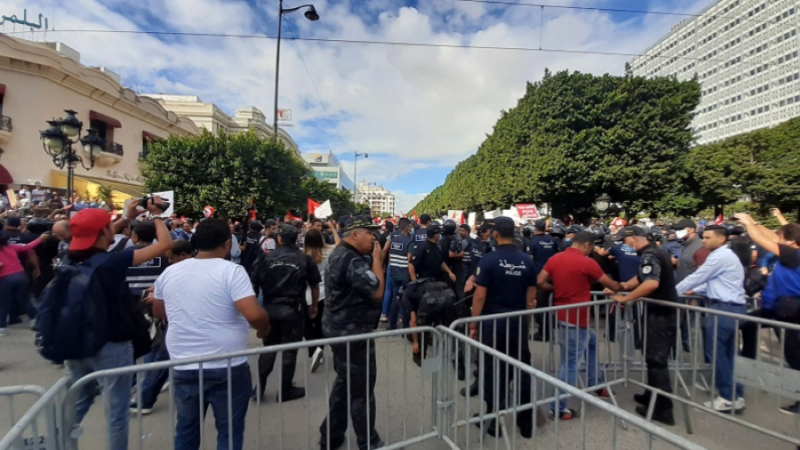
90,185
151,136
100,117
5,176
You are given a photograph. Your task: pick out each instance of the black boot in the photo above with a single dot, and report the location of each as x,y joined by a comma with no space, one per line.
473,390
664,416
292,393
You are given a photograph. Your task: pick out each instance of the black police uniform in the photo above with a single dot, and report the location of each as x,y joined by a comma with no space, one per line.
427,259
479,249
282,276
661,322
465,246
542,247
351,310
506,273
252,250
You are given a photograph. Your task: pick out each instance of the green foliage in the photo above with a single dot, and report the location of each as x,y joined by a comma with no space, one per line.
573,136
226,171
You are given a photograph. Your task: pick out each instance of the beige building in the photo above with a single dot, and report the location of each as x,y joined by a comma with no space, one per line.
379,199
213,119
38,81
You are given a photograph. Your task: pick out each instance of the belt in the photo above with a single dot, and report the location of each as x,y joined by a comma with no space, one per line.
713,301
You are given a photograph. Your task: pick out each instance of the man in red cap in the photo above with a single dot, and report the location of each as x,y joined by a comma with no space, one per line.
92,234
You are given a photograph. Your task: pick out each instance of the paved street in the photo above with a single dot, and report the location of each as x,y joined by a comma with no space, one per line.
403,410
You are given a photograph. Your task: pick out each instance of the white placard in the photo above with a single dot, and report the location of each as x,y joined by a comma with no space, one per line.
324,210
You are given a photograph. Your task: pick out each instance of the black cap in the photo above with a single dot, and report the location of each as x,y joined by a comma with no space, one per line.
685,223
432,229
485,226
356,222
631,231
288,233
575,229
425,218
540,225
255,225
269,223
503,225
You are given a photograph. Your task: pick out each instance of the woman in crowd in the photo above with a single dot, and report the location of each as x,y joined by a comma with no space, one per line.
319,251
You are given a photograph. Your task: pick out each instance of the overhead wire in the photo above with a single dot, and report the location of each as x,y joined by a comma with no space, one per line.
314,85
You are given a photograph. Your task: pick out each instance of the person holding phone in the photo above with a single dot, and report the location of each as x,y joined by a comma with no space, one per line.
354,289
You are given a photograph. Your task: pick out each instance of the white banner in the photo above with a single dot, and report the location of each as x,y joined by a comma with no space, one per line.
472,218
324,210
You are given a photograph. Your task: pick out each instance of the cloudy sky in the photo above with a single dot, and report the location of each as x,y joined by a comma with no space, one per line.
416,110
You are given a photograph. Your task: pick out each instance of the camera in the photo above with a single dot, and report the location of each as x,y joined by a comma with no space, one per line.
163,206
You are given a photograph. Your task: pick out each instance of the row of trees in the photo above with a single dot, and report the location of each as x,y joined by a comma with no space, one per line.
228,171
573,136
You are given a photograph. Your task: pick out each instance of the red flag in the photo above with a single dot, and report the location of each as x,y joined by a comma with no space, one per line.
252,210
720,220
462,221
289,216
208,211
414,216
312,206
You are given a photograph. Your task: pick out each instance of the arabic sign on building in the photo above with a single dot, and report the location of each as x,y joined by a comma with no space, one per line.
135,179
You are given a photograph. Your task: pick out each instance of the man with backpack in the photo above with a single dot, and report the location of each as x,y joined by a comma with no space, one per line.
95,327
251,245
283,276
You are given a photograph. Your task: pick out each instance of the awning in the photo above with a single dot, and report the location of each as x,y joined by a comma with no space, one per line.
2,89
151,136
5,176
90,185
94,115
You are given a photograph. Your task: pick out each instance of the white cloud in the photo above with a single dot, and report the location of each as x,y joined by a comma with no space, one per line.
409,107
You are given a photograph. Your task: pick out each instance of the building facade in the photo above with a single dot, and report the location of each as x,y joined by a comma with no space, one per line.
380,200
213,119
38,81
327,168
745,55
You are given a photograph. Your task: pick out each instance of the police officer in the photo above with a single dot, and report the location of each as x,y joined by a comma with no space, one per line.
397,250
506,282
419,235
282,276
568,234
655,280
354,296
480,247
448,244
465,250
541,247
251,245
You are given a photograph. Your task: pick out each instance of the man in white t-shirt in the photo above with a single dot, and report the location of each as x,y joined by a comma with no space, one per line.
209,302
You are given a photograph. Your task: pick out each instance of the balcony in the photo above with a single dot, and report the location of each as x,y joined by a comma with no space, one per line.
111,154
5,129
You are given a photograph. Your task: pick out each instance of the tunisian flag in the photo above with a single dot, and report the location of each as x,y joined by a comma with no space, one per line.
720,220
312,206
289,216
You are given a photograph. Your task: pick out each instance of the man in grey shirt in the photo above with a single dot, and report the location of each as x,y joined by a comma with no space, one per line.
692,252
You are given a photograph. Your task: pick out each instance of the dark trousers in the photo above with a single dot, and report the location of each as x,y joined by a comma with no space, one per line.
215,393
360,369
154,380
512,341
750,339
660,338
287,327
395,308
14,298
313,328
544,321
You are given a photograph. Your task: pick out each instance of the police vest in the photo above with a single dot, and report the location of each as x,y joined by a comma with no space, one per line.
145,275
398,254
466,247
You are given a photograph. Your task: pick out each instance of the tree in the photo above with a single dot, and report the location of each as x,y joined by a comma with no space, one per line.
226,171
341,199
573,136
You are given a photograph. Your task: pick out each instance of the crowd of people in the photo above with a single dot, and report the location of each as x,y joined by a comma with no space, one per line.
172,289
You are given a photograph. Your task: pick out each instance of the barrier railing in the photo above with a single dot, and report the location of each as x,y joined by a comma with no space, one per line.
467,423
390,392
37,428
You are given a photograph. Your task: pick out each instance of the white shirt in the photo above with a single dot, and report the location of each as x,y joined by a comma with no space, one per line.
199,296
322,267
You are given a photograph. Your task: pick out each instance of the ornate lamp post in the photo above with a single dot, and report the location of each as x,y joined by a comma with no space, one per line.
602,204
58,140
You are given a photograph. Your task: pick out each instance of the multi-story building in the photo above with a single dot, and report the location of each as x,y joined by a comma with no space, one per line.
327,168
380,200
745,55
38,81
213,119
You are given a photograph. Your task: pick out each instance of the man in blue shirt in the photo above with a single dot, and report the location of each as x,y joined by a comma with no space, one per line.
542,247
505,282
784,283
721,279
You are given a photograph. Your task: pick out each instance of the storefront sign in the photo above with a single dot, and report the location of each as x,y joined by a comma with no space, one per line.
124,177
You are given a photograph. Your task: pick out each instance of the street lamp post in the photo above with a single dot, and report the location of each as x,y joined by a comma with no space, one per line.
311,14
355,174
602,204
58,139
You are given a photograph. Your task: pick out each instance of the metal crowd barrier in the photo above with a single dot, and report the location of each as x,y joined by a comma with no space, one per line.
466,422
405,408
37,428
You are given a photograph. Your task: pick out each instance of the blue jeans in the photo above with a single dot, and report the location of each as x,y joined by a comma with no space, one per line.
394,310
215,393
154,379
726,339
13,296
578,347
387,293
116,390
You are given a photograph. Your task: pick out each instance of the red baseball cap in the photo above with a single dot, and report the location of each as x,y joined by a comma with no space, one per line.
86,226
